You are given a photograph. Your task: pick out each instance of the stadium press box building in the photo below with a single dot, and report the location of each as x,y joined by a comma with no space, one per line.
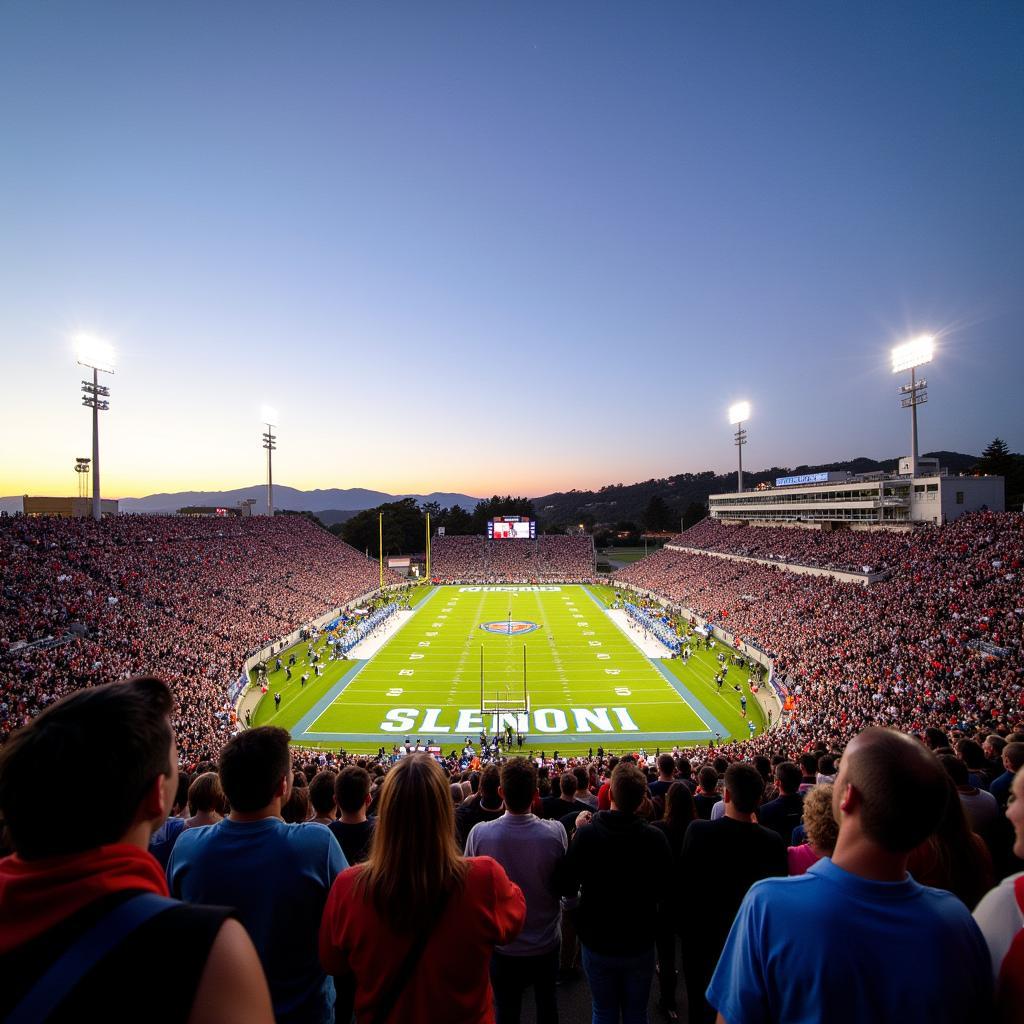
873,499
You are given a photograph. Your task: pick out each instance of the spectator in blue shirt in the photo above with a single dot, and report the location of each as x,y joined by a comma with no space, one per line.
856,938
277,876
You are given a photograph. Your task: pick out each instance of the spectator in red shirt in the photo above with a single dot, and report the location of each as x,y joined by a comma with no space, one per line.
416,890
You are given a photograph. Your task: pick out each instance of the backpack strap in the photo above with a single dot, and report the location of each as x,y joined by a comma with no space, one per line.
85,953
405,972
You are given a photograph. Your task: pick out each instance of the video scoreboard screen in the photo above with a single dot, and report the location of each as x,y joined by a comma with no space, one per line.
511,528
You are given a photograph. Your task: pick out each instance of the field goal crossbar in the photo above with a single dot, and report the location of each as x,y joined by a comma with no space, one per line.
506,698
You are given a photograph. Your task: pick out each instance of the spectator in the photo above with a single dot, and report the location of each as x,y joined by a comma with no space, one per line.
666,772
485,806
981,807
679,812
1012,762
84,905
1000,915
416,923
617,924
707,794
797,942
808,773
206,803
735,852
783,814
820,828
276,874
353,829
565,802
531,851
325,806
953,857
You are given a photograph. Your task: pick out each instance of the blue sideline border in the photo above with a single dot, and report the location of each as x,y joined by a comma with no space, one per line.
533,740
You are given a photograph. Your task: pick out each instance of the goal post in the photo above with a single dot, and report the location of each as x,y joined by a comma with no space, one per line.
504,697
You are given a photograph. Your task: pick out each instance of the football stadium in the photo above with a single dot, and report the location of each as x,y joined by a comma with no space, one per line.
712,713
553,664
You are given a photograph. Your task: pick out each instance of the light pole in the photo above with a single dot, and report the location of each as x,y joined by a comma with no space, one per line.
738,413
82,470
98,356
270,443
909,356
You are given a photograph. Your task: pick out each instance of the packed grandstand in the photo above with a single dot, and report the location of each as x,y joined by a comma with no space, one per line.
931,649
544,560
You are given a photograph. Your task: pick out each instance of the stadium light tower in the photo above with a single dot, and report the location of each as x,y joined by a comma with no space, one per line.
98,355
909,356
82,471
269,416
739,412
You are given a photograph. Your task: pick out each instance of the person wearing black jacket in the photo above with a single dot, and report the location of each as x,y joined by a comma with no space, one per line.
622,870
783,814
566,803
734,852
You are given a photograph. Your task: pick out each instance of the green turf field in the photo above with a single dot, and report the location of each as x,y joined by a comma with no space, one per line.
588,684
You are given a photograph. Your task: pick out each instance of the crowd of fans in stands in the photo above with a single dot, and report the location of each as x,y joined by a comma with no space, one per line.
937,644
844,549
548,559
187,598
313,888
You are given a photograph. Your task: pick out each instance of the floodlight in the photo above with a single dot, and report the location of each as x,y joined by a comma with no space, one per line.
915,352
94,352
268,414
739,412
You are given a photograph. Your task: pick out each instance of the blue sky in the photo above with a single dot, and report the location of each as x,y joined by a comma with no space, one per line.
504,247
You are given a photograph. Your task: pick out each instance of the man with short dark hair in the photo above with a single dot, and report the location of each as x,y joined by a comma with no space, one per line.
707,794
666,771
88,932
530,850
735,852
277,875
622,868
565,802
353,829
321,796
808,773
485,806
856,938
784,813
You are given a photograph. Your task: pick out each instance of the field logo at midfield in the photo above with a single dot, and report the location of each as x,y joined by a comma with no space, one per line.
510,627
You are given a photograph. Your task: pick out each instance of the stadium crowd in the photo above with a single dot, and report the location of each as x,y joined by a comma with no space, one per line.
319,884
187,598
938,644
859,551
548,559
305,889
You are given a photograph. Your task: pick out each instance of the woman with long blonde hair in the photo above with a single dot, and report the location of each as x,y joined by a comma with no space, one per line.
416,924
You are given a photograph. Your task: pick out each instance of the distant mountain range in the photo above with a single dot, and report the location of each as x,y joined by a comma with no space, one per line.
611,503
330,504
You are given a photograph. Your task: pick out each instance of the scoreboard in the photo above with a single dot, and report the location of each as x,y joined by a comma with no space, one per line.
511,528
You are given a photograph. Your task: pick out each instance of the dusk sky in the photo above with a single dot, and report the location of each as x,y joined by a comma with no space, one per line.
504,247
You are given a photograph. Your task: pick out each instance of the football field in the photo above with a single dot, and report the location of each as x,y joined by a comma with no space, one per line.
587,683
